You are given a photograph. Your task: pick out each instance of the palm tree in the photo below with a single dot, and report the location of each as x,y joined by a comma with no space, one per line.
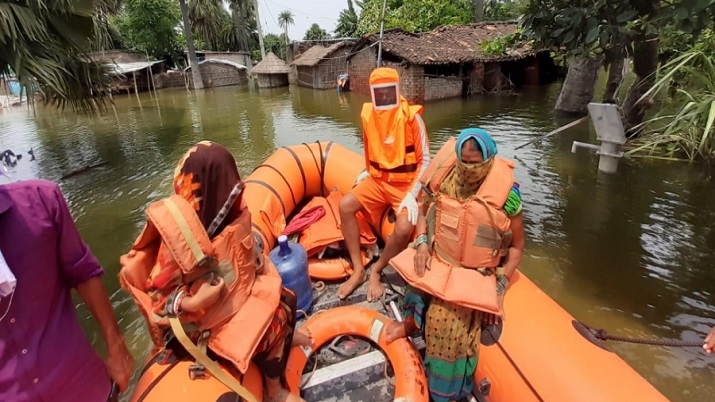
285,18
242,33
193,61
47,43
207,18
348,21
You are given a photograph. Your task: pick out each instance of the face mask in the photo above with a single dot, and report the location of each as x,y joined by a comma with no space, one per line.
385,96
7,279
472,174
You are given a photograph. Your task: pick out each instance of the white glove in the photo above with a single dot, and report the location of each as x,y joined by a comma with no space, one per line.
409,203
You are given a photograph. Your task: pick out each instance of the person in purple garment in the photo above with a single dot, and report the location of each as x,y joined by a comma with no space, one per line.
44,354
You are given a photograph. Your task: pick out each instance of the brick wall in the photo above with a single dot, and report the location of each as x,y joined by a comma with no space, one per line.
442,87
359,68
412,82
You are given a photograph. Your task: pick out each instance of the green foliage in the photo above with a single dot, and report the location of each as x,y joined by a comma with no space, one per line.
276,44
591,28
348,21
685,127
315,32
150,26
499,45
47,43
414,15
504,10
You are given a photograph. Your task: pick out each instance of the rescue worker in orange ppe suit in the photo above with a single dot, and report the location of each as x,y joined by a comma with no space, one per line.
396,155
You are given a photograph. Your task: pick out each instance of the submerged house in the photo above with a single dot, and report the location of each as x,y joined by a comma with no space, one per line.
449,61
219,73
319,67
272,72
134,76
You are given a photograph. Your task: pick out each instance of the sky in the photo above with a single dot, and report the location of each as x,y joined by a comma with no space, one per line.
305,13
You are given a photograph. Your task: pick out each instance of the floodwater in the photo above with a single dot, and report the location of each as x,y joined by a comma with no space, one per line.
632,253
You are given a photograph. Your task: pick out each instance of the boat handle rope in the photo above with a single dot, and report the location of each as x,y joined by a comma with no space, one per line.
603,335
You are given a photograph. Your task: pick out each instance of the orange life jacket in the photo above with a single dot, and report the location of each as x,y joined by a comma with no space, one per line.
472,233
470,236
238,321
327,229
391,155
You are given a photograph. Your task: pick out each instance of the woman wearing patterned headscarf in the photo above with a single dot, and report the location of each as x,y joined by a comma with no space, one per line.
207,178
470,232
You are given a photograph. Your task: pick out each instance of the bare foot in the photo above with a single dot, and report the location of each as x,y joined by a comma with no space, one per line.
350,285
284,396
274,392
302,337
374,289
395,330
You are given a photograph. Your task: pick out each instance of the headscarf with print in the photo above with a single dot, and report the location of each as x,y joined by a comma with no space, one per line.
463,181
207,177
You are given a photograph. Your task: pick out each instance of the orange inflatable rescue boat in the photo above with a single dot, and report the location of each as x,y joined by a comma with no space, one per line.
291,178
540,354
163,381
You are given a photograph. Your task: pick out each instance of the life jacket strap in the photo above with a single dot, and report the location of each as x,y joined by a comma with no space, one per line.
213,367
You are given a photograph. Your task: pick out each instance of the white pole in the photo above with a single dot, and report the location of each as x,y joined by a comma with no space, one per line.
382,31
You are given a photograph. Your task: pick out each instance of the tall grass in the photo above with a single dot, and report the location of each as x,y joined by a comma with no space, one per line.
684,127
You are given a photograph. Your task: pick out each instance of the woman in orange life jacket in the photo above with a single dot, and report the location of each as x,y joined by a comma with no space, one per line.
207,177
396,155
452,331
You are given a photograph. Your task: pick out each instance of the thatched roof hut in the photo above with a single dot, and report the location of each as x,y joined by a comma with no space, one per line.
272,72
319,67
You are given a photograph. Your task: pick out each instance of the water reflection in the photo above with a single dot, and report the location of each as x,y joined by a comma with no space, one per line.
631,252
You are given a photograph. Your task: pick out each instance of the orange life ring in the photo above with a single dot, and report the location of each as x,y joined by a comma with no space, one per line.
410,379
171,382
331,269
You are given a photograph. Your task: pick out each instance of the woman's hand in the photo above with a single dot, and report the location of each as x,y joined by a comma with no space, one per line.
422,259
496,319
204,294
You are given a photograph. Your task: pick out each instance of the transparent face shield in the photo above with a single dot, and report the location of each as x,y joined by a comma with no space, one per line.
385,96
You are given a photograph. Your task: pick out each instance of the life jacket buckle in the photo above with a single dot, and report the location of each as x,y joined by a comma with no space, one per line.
207,262
197,371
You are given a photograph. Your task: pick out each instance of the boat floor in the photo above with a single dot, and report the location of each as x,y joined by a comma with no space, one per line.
360,374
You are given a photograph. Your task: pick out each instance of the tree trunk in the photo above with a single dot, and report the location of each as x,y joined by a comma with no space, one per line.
478,10
579,86
285,51
645,63
260,30
193,61
616,58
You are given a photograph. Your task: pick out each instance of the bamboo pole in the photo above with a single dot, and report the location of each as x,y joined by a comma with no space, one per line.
554,132
136,88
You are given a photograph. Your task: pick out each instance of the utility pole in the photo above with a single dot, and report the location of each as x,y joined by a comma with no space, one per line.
260,30
382,31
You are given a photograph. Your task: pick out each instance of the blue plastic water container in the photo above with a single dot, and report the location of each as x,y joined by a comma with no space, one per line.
291,260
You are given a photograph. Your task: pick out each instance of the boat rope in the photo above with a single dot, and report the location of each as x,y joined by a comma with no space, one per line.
516,367
603,335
